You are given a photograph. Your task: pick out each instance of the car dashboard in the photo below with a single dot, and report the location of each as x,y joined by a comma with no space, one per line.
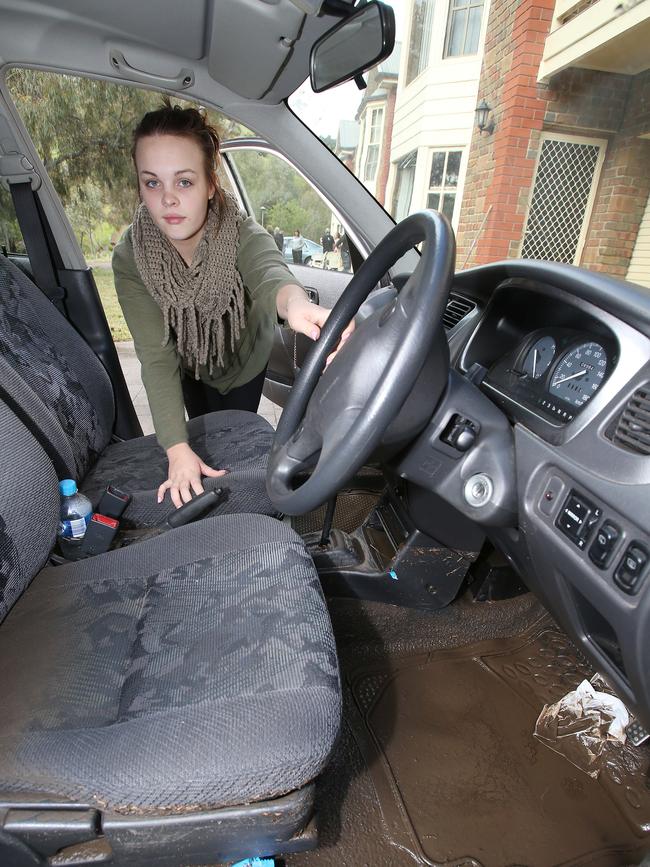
565,355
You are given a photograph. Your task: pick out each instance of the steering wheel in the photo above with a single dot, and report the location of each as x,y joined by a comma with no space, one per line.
383,384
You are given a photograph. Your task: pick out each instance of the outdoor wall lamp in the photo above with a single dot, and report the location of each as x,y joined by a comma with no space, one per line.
482,112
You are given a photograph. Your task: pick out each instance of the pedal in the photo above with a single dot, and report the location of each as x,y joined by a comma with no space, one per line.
636,734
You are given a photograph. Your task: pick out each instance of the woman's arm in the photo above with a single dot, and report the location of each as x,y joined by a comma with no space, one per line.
269,280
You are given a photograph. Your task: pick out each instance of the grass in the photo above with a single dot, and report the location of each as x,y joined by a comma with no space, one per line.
104,279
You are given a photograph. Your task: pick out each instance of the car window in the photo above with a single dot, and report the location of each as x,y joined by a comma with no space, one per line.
306,230
11,239
82,130
490,116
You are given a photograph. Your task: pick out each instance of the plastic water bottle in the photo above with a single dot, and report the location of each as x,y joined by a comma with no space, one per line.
76,511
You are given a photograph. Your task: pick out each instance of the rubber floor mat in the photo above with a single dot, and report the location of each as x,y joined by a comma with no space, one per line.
448,738
352,508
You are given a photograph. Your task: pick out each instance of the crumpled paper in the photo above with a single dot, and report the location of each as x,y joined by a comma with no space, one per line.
581,724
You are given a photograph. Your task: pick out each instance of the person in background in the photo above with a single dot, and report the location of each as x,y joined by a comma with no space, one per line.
297,246
201,286
278,237
343,248
327,243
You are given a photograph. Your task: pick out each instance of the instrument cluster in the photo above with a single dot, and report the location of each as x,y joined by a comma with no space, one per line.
554,371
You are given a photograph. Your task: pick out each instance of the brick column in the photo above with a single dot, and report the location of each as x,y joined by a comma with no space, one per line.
501,165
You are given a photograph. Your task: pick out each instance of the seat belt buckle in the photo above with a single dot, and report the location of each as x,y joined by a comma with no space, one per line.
113,502
99,535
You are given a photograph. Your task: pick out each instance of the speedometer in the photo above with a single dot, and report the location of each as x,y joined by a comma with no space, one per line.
579,374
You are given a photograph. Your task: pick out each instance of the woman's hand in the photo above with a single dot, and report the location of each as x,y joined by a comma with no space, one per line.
307,318
185,471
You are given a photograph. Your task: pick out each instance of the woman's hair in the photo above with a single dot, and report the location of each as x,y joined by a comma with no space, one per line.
185,123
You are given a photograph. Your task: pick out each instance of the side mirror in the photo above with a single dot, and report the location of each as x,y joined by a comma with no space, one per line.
359,42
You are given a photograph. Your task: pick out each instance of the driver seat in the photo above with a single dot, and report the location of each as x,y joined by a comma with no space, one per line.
170,702
60,390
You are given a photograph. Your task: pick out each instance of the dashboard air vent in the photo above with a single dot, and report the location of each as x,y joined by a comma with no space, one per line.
457,308
632,431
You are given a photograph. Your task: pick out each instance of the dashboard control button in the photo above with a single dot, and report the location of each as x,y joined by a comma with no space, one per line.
460,433
629,572
604,543
577,519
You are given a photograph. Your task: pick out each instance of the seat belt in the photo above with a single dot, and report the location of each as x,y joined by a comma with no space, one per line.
38,251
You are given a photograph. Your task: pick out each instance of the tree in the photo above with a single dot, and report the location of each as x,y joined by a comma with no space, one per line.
289,200
82,130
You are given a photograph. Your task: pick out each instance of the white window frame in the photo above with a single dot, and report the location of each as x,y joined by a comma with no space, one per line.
375,129
601,143
450,13
442,189
425,44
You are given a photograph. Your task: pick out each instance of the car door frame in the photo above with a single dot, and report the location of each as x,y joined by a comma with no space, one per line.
322,286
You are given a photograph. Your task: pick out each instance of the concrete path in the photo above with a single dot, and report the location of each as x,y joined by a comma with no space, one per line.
131,369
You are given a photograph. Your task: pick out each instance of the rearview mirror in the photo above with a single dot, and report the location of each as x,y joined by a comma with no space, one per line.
356,44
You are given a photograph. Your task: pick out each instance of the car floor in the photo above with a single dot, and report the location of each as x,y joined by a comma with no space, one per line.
437,763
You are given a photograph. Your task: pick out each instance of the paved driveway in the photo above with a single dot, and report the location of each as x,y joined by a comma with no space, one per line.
131,368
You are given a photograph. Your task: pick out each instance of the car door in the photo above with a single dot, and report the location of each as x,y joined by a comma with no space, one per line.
273,192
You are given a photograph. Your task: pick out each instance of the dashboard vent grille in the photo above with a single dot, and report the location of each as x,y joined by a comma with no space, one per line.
632,431
457,308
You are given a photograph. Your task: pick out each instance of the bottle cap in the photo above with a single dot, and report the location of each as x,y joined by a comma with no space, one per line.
68,487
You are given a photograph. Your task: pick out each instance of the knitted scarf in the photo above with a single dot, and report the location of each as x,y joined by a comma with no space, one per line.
203,304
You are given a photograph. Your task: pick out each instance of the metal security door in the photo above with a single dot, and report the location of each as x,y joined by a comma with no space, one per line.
560,207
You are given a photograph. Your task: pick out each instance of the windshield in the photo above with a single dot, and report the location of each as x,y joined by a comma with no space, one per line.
527,124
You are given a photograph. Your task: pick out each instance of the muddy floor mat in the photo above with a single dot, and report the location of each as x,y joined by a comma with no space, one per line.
448,738
352,508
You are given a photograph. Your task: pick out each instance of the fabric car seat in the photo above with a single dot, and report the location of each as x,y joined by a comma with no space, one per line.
171,702
56,384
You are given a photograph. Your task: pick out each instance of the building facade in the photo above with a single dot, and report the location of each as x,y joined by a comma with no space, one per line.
563,175
435,102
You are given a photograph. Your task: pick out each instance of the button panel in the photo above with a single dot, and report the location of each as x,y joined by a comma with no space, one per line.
578,517
630,571
620,551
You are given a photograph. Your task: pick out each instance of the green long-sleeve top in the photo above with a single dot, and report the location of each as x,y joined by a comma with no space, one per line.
263,273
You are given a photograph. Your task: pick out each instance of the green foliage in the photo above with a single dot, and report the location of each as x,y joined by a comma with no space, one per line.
289,201
106,288
82,131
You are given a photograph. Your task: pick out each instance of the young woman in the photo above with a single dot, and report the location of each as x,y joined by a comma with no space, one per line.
201,286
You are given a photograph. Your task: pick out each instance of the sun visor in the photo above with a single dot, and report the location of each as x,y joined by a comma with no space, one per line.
250,42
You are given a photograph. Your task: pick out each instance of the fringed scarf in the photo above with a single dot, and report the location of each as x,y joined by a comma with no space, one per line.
203,304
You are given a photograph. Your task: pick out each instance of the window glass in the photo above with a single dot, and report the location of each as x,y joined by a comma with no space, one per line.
82,131
403,194
443,181
11,239
464,27
418,48
374,144
437,169
279,198
574,186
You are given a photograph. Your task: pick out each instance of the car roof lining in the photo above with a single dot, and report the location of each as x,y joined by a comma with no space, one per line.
252,49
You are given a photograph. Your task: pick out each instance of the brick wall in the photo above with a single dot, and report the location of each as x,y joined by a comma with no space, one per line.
501,165
578,102
384,157
624,187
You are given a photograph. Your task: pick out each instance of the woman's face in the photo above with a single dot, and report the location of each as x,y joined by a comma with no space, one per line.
174,187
